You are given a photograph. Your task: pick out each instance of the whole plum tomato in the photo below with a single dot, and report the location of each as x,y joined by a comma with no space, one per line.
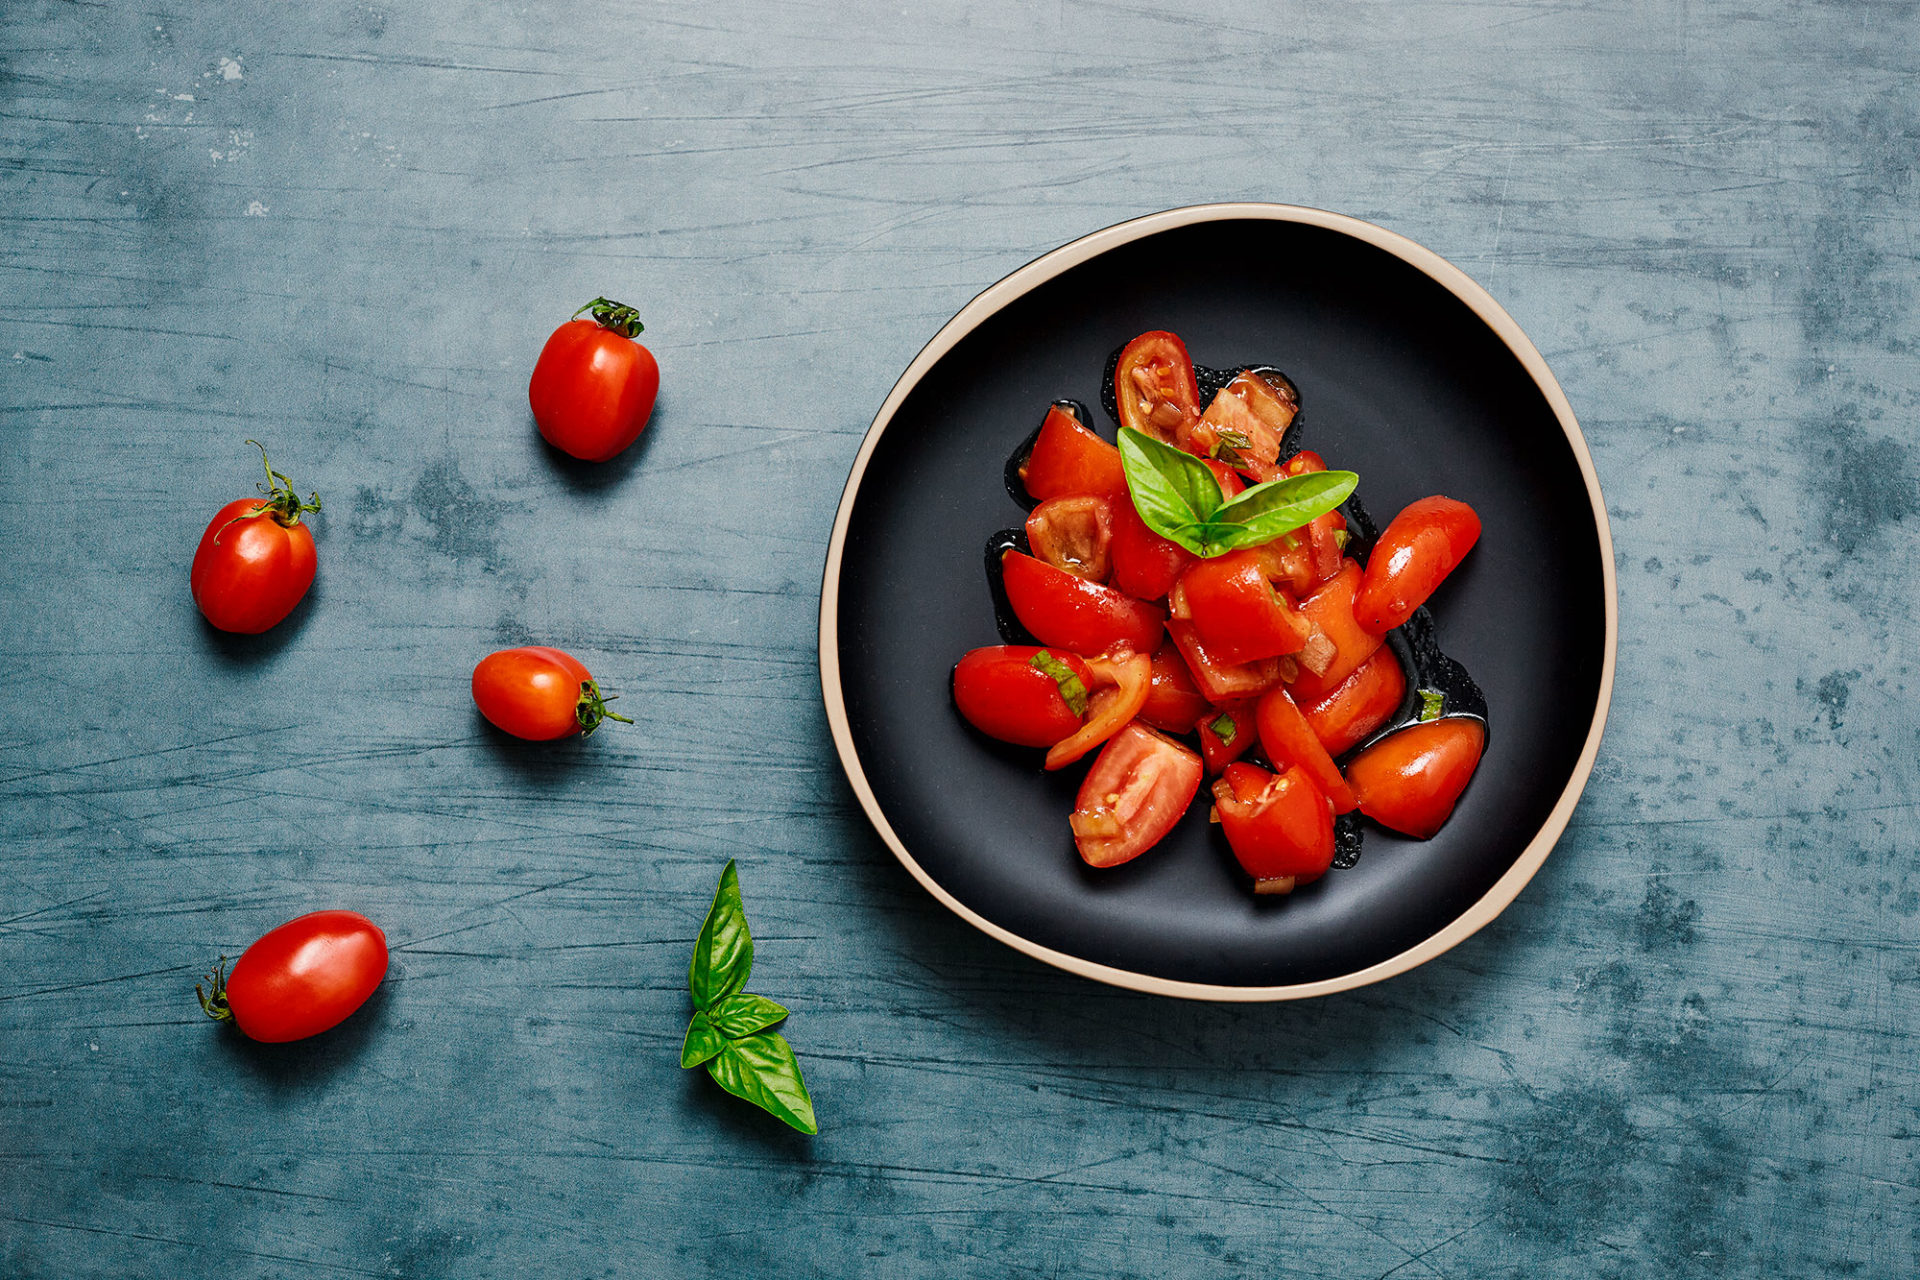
300,979
593,386
256,559
540,694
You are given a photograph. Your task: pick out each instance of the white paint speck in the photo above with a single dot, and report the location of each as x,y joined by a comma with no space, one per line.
93,1046
230,69
256,210
183,97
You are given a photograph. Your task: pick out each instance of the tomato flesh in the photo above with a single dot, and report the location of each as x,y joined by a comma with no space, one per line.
1071,613
249,571
1364,701
1411,779
1154,387
1001,692
1419,548
1174,702
1236,611
1075,535
1121,682
1279,828
592,390
1139,785
1221,681
1340,644
306,976
1246,422
1289,740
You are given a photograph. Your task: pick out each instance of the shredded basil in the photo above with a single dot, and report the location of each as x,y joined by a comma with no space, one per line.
1431,703
1072,688
1224,729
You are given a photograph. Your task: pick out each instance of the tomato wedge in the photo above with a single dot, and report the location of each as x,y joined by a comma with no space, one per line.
1410,780
1154,388
1420,547
1075,535
1145,565
1067,459
1245,424
1224,682
1288,740
1121,682
1362,703
1235,609
1136,791
1226,733
1324,537
1021,693
1060,609
1340,643
1279,828
1174,702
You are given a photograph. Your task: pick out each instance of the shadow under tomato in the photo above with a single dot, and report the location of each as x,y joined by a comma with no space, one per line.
590,477
243,650
300,1063
540,763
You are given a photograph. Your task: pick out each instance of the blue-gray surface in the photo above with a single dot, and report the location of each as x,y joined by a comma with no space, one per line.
1687,1049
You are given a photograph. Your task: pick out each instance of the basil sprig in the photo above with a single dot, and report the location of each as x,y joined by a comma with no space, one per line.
1180,498
731,1032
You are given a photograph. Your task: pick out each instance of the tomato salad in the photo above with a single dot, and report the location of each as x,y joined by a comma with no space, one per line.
1197,606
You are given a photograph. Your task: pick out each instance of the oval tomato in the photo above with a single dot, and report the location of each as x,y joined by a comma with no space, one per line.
1121,682
256,559
1153,386
1411,779
593,386
1021,693
1174,702
1067,459
1074,534
1289,740
1279,828
1136,791
1420,547
300,979
540,694
1085,617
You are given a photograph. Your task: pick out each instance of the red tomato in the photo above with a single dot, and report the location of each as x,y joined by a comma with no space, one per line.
1008,692
1289,563
1280,828
1223,682
540,694
1422,545
593,386
1340,644
1325,547
1060,609
256,559
1245,423
1410,780
1137,789
1302,462
1225,734
1121,681
1068,459
1235,609
1288,740
1231,485
1362,703
1074,535
1145,565
1154,387
300,979
1174,702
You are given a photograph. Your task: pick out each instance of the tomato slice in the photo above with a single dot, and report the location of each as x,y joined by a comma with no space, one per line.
1340,643
1060,609
1021,693
1136,791
1410,780
1226,733
1154,387
1074,535
1362,703
1420,547
1279,828
1067,459
1235,609
1121,682
1289,740
1224,682
1174,702
1245,423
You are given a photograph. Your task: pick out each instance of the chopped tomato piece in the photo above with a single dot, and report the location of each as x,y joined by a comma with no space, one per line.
1245,423
1145,565
1075,535
1224,682
1289,563
1289,740
1410,780
1136,791
1060,609
1153,386
1235,609
1363,702
1068,459
1174,702
1326,544
1279,828
1420,547
1225,734
1302,462
1021,693
1121,681
1344,645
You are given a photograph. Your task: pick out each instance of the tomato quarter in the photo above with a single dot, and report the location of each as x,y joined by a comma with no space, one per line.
1279,828
1154,388
1411,779
1074,535
1423,544
256,559
539,694
1067,459
1362,703
1288,740
1085,617
593,386
1134,794
300,979
1174,702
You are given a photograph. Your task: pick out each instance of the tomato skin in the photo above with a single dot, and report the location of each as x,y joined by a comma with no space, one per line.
533,693
1216,750
1001,693
1289,740
306,976
1068,460
1069,613
1145,565
1330,610
1279,828
1154,387
1121,681
592,390
1411,779
1075,535
1138,788
1419,548
249,571
1364,701
1174,702
1236,611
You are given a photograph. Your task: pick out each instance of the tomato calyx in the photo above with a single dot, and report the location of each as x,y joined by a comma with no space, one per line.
215,1006
591,711
277,499
617,316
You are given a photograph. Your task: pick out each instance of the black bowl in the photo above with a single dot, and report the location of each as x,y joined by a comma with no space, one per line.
1411,375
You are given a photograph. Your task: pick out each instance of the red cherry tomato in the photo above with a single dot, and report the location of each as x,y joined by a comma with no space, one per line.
1154,387
539,694
1067,459
1236,610
1288,740
1145,565
1021,693
1085,617
1225,734
256,559
1422,545
1279,828
593,386
1411,779
1174,702
1339,643
1223,682
1362,703
1074,535
302,978
1134,794
1245,424
1121,681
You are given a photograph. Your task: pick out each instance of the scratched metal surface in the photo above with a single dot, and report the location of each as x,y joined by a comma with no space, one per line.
345,229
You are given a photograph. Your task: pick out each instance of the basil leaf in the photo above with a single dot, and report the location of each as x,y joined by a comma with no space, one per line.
1225,729
1268,510
763,1070
723,953
1073,690
702,1041
743,1014
1431,703
1175,493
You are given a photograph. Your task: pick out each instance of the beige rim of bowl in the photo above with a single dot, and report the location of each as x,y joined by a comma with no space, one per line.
1045,268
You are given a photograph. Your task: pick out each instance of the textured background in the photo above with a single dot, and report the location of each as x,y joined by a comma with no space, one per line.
345,229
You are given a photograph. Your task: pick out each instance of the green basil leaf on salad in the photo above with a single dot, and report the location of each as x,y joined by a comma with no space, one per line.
1179,497
743,1014
723,953
1277,507
762,1069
